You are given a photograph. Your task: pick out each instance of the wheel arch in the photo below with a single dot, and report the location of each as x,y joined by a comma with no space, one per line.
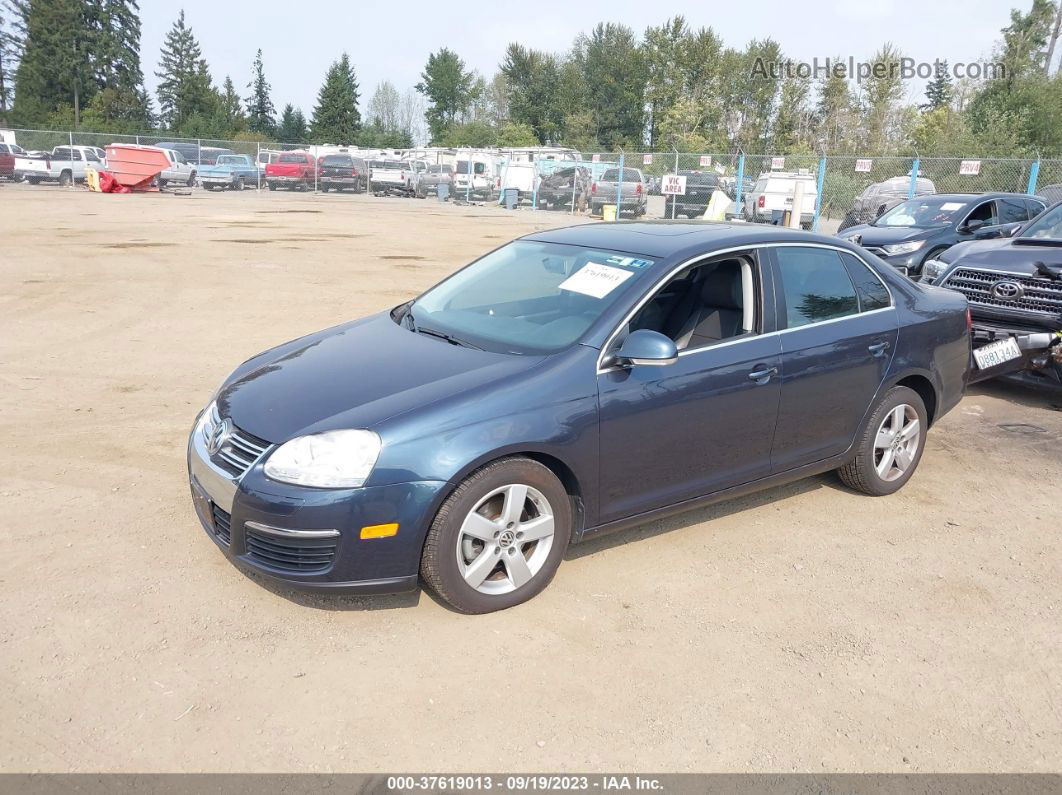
926,389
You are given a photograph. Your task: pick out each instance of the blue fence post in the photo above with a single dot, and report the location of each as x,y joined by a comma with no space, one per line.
818,193
1034,176
740,183
619,190
913,185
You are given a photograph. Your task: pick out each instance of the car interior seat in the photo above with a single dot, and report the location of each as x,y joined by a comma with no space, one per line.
713,312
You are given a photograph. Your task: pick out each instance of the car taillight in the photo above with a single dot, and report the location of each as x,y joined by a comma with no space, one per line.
638,190
969,320
353,172
760,201
593,188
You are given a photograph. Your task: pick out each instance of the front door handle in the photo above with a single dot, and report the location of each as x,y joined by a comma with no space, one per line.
878,348
763,375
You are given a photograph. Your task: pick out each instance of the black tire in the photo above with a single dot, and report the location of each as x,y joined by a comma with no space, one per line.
861,473
191,180
66,179
272,186
439,565
33,180
324,189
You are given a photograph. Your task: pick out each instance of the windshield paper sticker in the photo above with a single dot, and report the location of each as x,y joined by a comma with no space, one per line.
595,280
949,206
629,262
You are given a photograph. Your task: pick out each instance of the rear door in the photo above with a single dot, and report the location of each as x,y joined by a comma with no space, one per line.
837,336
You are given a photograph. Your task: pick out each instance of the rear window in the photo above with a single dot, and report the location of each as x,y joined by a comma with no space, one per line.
393,164
629,175
462,167
699,178
337,160
293,158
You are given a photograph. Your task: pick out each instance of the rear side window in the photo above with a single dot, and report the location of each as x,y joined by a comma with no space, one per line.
1034,207
872,293
815,285
1012,211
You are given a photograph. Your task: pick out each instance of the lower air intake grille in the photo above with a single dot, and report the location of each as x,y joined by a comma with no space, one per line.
290,554
221,525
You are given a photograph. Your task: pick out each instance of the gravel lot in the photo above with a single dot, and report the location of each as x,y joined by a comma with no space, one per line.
805,628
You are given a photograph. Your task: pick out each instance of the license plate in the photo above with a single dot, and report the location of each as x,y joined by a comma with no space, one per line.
996,353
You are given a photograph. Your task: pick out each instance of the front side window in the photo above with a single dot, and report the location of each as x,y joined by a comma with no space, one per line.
528,296
704,304
815,285
985,213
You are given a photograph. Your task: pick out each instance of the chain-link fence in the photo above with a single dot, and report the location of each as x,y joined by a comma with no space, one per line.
833,191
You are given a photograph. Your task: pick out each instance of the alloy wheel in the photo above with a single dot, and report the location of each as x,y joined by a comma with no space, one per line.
896,442
505,539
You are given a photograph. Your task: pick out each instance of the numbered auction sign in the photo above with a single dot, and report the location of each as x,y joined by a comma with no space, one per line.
777,162
596,159
864,165
647,160
673,185
970,167
706,161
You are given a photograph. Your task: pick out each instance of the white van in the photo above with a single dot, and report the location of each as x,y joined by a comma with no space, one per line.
518,175
774,191
483,175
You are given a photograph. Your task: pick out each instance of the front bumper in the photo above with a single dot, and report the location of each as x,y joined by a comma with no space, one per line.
227,181
309,538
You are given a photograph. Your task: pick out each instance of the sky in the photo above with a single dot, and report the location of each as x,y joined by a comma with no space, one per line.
300,40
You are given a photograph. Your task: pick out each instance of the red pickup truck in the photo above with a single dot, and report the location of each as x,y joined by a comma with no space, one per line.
8,153
294,170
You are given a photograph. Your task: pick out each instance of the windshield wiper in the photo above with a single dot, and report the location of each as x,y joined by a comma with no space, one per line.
444,336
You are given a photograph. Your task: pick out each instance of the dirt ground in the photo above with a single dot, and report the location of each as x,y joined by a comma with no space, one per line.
807,628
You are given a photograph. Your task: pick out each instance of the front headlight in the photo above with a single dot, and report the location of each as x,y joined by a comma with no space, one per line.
330,460
904,248
933,269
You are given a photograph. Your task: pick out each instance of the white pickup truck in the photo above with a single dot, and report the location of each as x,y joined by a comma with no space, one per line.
65,164
390,176
179,169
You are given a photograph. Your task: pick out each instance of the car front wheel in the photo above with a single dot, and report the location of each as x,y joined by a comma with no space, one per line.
499,538
890,446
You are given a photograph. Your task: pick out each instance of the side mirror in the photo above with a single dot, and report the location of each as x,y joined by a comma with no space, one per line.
646,347
971,226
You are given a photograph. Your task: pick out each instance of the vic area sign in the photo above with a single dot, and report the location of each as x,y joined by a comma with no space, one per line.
673,185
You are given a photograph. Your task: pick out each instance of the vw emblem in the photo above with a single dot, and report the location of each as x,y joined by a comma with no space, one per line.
221,434
1007,290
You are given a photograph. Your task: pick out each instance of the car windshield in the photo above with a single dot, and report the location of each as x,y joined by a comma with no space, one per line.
1047,227
337,160
527,297
929,212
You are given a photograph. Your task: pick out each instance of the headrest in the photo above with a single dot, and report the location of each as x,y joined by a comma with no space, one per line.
722,286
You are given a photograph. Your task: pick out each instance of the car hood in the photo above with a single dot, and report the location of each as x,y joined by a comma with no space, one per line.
1002,255
355,376
887,235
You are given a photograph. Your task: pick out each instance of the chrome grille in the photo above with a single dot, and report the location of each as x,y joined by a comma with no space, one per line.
238,451
291,554
1041,295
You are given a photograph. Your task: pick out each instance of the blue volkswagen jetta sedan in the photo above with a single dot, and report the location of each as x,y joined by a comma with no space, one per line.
570,383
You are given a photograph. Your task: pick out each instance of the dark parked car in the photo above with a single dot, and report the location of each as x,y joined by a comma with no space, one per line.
558,190
567,384
921,228
339,172
1014,286
435,175
693,203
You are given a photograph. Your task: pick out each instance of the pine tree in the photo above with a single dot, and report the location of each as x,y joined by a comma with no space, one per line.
230,109
261,115
55,68
335,117
939,89
185,88
448,88
115,29
292,127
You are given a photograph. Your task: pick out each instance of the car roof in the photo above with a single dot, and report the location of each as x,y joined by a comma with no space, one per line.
675,238
969,197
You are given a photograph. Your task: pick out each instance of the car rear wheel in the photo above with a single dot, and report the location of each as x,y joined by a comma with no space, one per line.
191,180
65,179
499,538
890,446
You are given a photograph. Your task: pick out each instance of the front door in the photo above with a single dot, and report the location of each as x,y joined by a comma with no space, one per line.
704,423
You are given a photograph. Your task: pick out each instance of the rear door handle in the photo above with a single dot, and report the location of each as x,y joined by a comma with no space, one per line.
763,375
878,348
